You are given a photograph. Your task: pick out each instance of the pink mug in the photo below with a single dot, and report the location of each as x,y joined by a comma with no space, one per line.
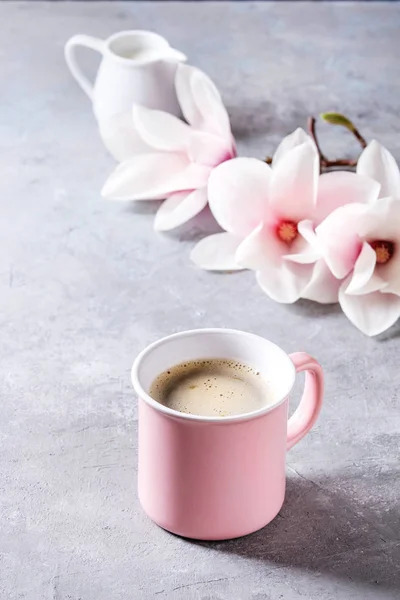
216,478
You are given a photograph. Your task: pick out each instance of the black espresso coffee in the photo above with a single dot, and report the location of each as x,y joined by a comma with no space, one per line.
212,387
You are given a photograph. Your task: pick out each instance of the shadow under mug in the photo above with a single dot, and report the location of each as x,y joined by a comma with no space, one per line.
214,478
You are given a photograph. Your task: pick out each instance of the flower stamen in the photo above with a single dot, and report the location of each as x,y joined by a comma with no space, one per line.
287,231
383,250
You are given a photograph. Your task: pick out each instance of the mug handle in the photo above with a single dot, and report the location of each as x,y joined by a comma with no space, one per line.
308,410
86,41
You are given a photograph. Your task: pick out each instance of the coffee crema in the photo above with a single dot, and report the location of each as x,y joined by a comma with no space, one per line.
212,387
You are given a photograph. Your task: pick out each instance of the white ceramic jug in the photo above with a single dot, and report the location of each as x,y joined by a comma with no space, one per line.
138,67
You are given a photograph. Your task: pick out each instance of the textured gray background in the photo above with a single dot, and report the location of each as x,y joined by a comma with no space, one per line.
85,284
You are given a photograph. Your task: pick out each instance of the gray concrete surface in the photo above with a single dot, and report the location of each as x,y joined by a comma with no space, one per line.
85,284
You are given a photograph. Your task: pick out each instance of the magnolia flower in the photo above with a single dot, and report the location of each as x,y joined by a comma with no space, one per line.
269,217
361,246
377,162
183,155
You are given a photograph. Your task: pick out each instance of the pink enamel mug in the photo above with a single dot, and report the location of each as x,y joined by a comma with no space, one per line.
216,478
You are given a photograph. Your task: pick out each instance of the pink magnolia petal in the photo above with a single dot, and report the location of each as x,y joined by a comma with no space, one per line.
364,279
373,285
147,177
377,162
391,273
382,221
286,283
304,256
180,208
304,249
161,130
289,142
342,187
363,269
154,177
323,286
371,313
121,138
306,229
392,287
208,149
208,100
201,102
238,194
183,85
294,183
217,253
338,238
260,248
195,176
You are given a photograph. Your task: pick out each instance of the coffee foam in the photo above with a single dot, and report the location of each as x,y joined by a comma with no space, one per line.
212,387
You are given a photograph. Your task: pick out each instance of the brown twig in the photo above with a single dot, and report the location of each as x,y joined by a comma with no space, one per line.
335,119
340,162
311,128
325,163
360,138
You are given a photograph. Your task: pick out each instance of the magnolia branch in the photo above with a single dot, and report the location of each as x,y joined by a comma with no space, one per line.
326,163
333,119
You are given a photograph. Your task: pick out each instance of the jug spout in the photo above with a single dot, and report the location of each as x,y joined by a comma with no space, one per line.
172,55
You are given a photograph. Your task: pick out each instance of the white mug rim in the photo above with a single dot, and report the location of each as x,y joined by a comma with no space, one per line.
143,395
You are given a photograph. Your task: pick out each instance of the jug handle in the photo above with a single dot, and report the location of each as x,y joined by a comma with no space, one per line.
86,41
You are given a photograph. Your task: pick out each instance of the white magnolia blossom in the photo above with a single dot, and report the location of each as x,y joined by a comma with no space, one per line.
269,216
361,246
181,156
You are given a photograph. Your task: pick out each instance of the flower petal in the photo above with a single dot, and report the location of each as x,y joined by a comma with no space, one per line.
382,221
238,194
217,252
342,187
144,177
208,100
377,162
306,229
153,177
121,138
393,287
285,283
289,142
208,149
183,85
180,208
304,256
184,92
305,248
323,286
161,130
338,238
364,279
391,273
201,102
195,176
371,313
294,183
260,248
